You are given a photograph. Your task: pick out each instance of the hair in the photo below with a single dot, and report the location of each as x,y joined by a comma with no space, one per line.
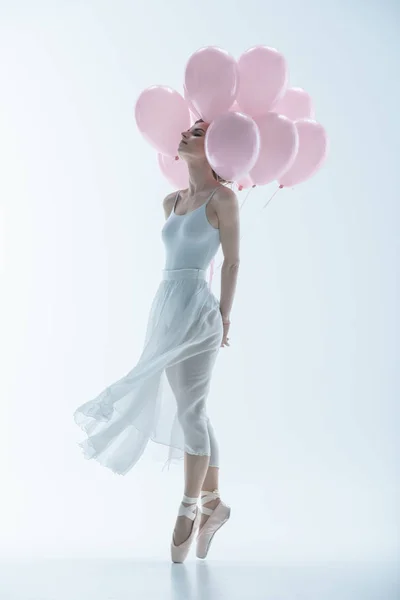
216,177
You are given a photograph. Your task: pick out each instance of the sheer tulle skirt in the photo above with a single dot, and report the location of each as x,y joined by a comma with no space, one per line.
184,324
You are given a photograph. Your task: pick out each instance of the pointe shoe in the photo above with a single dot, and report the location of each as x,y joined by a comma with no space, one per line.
179,553
217,518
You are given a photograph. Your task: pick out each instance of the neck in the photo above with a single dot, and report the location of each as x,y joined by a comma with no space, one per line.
200,177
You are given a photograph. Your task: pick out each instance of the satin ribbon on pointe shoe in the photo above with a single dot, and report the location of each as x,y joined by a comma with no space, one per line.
180,552
217,517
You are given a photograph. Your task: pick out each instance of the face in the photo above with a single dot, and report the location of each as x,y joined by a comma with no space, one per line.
192,142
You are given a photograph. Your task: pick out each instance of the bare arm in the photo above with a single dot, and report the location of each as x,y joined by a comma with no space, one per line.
227,207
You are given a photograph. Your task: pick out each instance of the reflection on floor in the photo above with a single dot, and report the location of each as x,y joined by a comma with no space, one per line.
195,579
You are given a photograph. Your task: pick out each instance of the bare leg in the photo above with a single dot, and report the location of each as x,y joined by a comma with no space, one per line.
195,471
209,485
190,381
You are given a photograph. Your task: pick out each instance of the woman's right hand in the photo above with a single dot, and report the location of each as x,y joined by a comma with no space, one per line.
225,339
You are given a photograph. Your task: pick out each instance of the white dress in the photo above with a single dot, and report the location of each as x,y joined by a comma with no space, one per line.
163,397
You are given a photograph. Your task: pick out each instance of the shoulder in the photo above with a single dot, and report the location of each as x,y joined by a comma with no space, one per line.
168,203
226,195
170,198
226,201
227,208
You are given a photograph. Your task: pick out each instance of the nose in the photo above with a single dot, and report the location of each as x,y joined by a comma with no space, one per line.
184,134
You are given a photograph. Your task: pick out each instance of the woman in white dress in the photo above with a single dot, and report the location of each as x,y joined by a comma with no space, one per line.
163,398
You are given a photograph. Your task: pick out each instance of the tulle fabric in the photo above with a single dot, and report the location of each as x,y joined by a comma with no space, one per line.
184,321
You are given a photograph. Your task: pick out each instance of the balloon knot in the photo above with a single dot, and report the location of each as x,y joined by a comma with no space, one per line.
281,186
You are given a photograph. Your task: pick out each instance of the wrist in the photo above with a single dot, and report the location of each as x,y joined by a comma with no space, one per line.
225,318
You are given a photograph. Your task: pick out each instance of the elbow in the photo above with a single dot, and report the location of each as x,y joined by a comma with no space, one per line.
231,264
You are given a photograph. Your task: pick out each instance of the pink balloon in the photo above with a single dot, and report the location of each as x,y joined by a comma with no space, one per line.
190,104
263,79
161,115
175,171
279,142
211,81
244,183
232,145
295,104
235,107
313,147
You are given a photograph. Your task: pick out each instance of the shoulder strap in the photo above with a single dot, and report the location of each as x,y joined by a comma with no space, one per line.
176,200
211,195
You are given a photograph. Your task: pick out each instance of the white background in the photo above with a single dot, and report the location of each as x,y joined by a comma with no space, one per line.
305,401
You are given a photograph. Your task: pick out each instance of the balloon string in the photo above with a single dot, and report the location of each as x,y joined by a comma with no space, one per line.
247,195
273,195
265,205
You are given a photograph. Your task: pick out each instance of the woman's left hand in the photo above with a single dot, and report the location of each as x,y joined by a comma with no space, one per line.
225,339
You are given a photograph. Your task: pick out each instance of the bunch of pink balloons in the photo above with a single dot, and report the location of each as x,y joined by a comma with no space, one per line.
260,129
